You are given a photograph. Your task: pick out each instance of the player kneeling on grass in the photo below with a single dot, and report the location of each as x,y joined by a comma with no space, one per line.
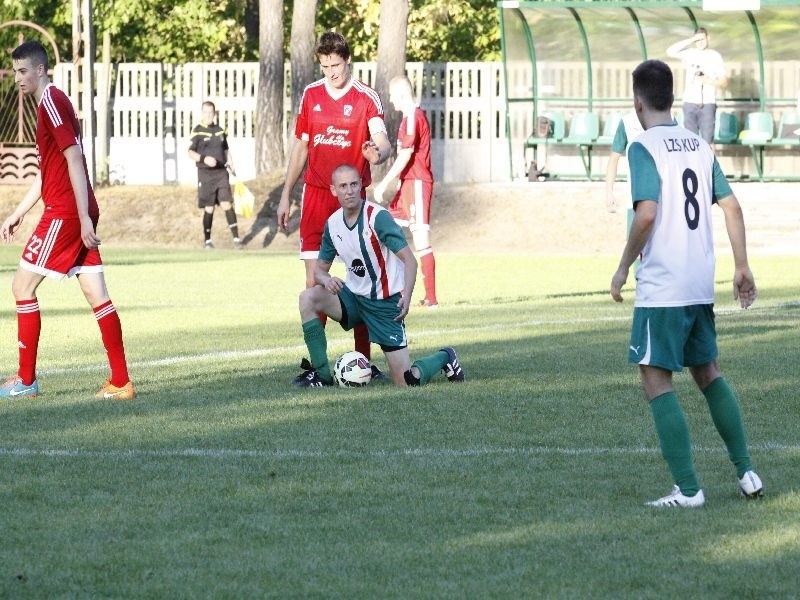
381,273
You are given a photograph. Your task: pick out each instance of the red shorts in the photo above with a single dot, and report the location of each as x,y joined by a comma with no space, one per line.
55,249
318,204
411,205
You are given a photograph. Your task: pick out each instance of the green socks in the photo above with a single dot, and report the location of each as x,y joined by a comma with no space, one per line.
317,344
724,409
676,447
430,365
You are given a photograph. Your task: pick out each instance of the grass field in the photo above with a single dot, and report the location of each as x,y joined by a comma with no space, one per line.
529,480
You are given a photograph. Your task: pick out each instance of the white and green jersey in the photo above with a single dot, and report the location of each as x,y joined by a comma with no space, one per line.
678,169
368,251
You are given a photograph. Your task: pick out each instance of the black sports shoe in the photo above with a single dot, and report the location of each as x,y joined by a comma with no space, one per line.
377,374
312,379
452,369
306,366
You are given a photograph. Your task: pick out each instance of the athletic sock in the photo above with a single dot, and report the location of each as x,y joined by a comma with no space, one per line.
428,262
208,219
230,216
111,333
676,447
317,344
29,326
361,339
430,365
724,409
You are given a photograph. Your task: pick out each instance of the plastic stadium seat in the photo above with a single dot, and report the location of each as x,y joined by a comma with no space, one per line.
726,130
610,128
758,128
788,129
584,128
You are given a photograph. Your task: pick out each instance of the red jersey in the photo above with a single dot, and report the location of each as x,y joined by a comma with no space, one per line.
416,134
57,129
336,129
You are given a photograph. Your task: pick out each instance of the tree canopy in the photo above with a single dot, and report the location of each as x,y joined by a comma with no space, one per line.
176,31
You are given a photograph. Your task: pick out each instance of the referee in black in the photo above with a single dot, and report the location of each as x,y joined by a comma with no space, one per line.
209,150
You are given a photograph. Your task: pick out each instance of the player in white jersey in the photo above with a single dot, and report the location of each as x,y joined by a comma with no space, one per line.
675,180
381,273
628,130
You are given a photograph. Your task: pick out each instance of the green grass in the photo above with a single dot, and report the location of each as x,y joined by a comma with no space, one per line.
221,480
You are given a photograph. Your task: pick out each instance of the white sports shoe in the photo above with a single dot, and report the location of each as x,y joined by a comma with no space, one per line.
751,486
676,498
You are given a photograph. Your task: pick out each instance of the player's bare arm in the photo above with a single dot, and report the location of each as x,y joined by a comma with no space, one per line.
410,278
403,157
675,50
14,220
641,227
611,176
377,149
297,162
744,285
323,277
80,187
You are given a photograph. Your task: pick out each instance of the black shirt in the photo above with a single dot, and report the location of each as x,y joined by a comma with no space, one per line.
210,140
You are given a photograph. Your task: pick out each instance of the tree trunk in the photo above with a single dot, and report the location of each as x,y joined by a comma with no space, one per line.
301,49
269,102
391,63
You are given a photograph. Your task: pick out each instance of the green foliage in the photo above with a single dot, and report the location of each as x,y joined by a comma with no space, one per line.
455,30
438,30
163,30
145,30
199,31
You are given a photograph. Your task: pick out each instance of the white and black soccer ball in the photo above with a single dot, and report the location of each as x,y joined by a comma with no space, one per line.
352,369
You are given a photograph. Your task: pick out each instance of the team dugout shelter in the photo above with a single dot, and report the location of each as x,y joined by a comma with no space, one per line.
568,65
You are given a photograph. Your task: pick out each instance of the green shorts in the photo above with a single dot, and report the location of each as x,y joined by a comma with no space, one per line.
673,337
377,315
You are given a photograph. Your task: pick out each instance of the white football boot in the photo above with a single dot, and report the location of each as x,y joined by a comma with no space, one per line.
676,498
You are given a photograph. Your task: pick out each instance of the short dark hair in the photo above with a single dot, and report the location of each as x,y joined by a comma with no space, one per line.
331,42
652,83
32,49
211,104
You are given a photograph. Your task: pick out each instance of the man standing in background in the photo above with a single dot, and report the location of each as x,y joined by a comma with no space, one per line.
209,150
705,72
411,205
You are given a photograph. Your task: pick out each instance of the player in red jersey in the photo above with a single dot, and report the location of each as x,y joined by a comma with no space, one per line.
340,121
64,242
411,205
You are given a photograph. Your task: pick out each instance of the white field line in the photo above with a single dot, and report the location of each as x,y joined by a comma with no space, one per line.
299,453
299,348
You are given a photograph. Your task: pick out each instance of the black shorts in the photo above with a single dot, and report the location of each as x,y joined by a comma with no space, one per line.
213,187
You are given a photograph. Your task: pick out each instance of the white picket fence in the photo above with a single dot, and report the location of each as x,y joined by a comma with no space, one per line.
153,107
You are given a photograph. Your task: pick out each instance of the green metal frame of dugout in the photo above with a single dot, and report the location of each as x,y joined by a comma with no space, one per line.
576,57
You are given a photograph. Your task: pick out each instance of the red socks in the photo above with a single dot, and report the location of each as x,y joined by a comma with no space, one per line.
428,273
29,325
111,332
361,337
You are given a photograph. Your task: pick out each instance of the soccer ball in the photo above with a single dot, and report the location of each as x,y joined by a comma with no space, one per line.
352,369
